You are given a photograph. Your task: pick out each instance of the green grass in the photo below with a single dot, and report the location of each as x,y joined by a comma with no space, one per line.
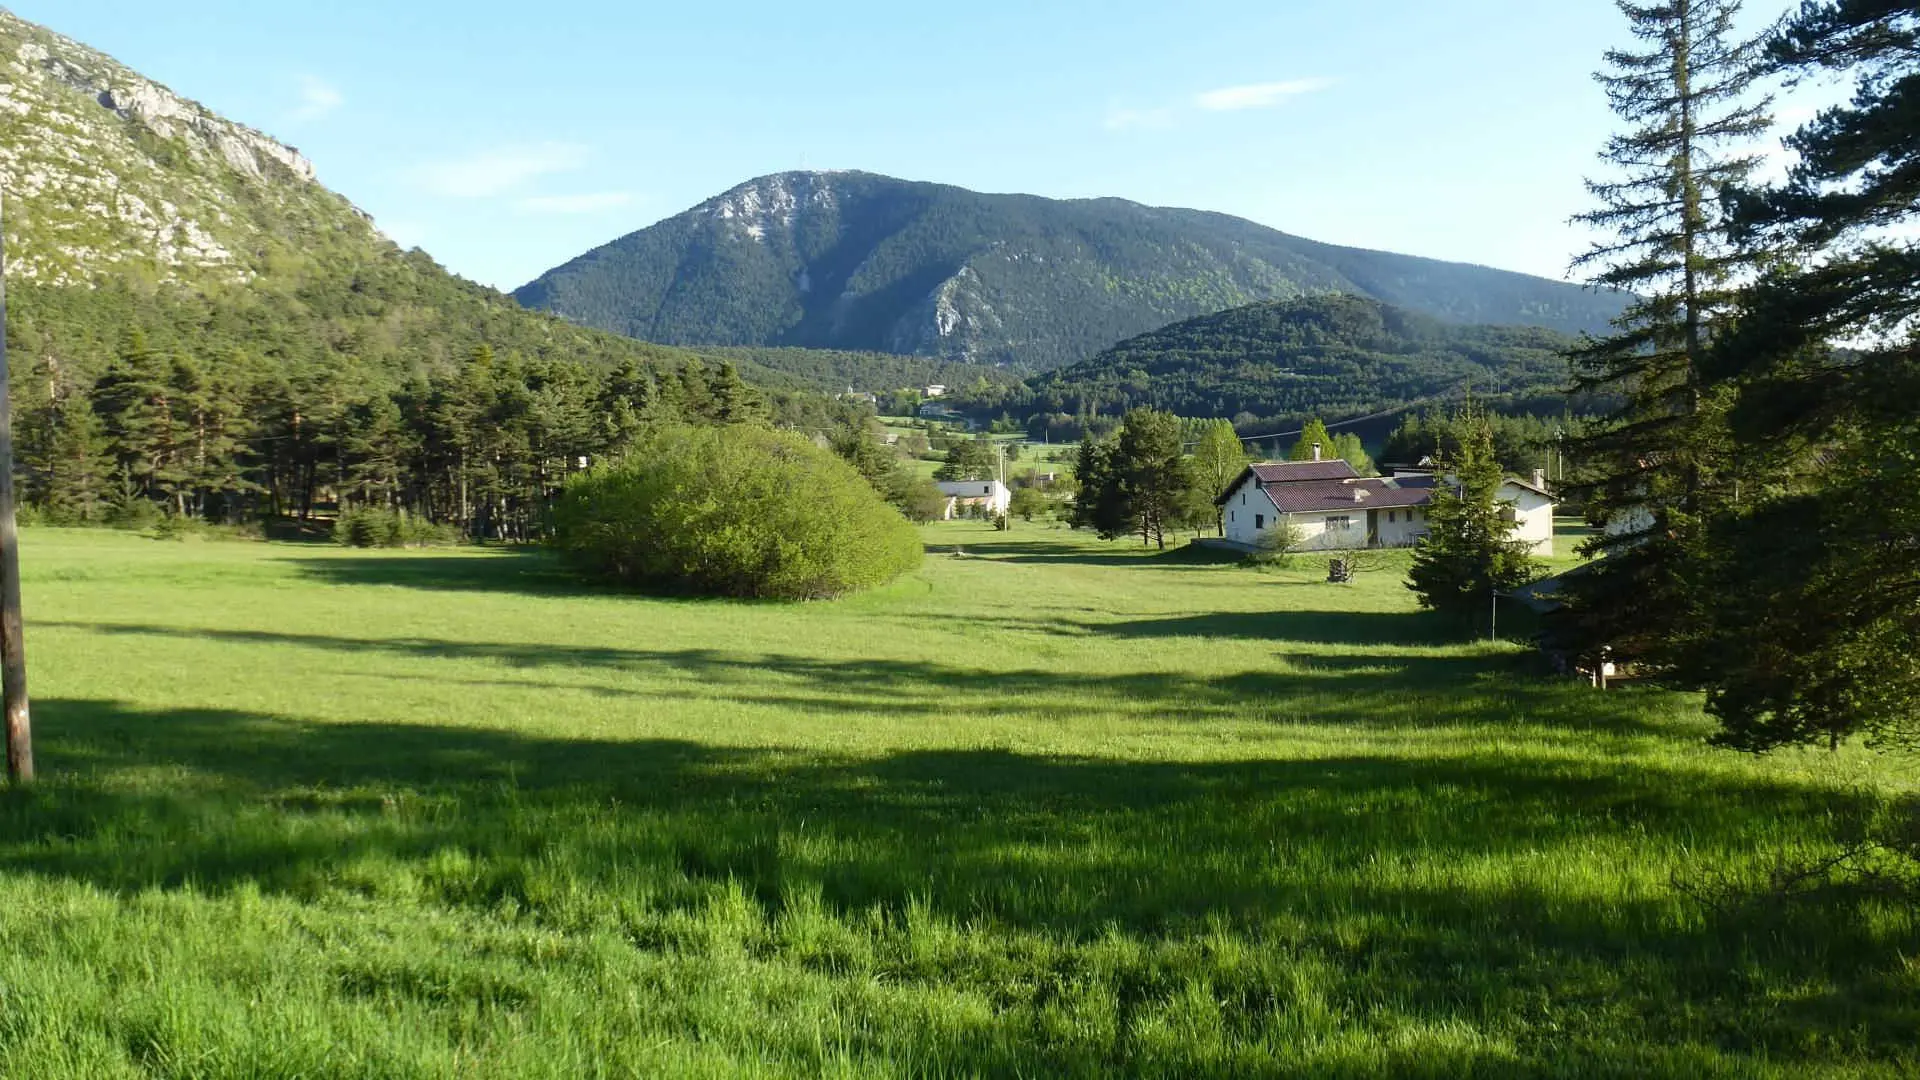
1057,808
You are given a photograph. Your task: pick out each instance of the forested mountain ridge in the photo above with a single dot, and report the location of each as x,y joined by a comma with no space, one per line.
1334,356
861,262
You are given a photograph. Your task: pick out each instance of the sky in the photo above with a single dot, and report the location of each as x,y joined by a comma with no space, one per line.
506,138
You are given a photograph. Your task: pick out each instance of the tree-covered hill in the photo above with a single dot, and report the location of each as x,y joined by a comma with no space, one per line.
860,262
1333,356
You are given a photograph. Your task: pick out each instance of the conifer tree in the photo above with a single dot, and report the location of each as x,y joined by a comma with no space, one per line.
1469,552
1661,463
1153,473
77,480
1810,632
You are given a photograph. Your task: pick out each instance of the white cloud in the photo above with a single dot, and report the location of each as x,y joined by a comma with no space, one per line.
1138,119
318,99
501,171
1258,95
595,202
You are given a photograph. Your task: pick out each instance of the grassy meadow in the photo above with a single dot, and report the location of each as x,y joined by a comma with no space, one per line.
1055,808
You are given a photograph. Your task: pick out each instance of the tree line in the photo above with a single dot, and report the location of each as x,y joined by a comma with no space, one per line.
483,447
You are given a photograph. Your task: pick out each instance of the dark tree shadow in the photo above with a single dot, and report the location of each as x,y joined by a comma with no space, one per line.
1072,848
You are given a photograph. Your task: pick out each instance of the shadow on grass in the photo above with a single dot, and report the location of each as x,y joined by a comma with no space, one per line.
1381,691
1124,552
1419,882
532,571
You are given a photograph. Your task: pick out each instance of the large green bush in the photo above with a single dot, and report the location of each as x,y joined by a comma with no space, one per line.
735,511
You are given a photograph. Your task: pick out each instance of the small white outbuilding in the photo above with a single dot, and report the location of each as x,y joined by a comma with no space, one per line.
991,495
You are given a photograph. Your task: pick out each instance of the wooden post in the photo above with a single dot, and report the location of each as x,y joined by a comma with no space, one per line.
13,651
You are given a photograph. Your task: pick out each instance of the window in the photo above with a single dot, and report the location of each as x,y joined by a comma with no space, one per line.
988,490
1391,518
1340,524
1259,521
1233,516
1243,498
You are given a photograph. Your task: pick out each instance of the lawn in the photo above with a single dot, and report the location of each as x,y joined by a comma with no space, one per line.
1054,808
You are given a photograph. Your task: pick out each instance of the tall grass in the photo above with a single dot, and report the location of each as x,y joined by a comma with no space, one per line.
1054,809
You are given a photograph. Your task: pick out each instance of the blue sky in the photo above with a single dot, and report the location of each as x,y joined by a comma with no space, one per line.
506,138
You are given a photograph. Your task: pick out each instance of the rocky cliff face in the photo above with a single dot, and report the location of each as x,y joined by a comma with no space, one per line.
104,171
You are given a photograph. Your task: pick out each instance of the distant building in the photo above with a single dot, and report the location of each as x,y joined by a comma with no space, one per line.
1334,508
990,495
934,390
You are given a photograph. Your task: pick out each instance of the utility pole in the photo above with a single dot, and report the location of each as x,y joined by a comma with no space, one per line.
13,651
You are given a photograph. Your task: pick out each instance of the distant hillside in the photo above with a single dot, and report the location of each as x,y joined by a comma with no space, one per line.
130,208
1332,356
859,262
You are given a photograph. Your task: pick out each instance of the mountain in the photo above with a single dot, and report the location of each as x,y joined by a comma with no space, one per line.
130,208
1331,356
860,262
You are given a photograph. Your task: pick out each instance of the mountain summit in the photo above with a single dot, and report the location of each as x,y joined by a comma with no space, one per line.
857,261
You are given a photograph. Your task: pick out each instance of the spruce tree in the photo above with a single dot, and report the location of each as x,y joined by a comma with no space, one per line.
1810,632
78,485
1661,463
1469,552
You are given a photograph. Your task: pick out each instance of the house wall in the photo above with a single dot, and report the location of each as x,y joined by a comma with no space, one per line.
1406,527
1533,514
1243,507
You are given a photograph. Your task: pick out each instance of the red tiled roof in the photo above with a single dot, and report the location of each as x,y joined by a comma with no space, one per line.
1287,472
1335,496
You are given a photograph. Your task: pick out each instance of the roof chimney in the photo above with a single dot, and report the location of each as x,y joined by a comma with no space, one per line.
1540,479
1316,451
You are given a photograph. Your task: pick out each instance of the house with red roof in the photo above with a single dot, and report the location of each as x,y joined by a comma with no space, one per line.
1333,508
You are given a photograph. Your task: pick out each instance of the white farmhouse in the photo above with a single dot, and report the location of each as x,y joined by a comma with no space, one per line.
1334,508
990,495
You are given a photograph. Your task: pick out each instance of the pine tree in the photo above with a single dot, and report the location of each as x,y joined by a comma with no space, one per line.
1469,553
1661,463
1810,630
1153,472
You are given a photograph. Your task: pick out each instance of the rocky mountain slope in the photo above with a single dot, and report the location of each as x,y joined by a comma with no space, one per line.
133,212
864,262
107,171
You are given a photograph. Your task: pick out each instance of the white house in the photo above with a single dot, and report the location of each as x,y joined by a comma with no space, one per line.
990,495
1334,508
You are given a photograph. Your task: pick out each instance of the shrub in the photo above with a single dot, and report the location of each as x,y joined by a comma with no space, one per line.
740,512
377,527
1276,547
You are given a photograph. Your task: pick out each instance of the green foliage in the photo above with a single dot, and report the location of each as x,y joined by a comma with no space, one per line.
1218,458
1277,547
1042,283
970,459
737,512
1520,443
379,527
1141,483
1328,355
1661,463
1801,617
1468,553
1315,442
1027,503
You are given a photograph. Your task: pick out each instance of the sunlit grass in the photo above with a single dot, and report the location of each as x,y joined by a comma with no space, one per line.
1054,808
